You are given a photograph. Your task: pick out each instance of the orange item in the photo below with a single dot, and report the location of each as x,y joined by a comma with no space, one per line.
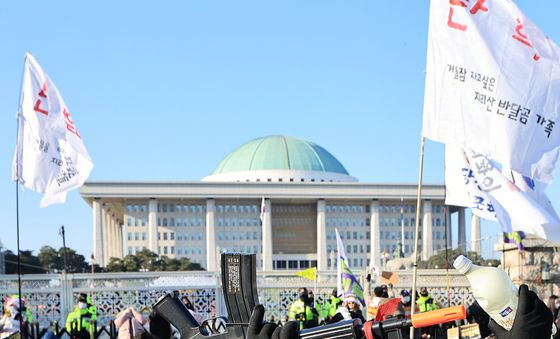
439,316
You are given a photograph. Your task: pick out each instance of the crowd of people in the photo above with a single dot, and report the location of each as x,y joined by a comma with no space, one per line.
533,316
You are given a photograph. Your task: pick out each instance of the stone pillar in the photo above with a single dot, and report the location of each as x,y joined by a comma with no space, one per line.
120,252
211,263
267,237
106,254
98,232
449,231
375,234
461,234
152,226
108,233
321,236
475,234
427,244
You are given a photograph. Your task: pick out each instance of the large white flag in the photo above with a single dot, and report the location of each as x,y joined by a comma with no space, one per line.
50,156
493,85
518,205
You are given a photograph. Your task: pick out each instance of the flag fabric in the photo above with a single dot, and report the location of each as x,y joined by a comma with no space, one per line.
515,209
387,309
50,156
515,237
310,273
347,284
263,209
493,84
461,189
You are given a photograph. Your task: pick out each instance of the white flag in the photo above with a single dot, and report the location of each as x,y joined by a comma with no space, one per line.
50,156
341,257
515,209
263,210
461,189
493,85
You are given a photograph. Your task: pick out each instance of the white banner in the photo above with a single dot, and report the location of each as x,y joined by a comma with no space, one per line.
50,155
491,195
461,188
493,85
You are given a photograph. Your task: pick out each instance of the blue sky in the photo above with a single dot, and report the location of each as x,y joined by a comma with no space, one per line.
164,90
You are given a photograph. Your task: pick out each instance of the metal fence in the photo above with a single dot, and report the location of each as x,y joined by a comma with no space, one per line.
50,297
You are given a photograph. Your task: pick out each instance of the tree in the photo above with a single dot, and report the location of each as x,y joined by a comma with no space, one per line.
53,260
49,259
28,262
115,265
438,260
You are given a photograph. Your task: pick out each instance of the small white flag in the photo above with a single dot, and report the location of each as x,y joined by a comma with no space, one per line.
493,85
50,156
263,209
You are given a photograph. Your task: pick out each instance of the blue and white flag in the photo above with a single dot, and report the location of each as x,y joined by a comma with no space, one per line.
517,203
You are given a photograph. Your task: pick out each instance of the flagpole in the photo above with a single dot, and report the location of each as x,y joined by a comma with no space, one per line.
17,197
416,231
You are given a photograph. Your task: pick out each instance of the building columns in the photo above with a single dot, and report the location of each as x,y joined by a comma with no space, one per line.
375,234
475,234
152,226
321,236
98,232
118,239
109,236
267,237
449,241
461,233
211,262
427,244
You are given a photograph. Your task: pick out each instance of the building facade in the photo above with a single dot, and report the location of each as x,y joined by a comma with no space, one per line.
279,197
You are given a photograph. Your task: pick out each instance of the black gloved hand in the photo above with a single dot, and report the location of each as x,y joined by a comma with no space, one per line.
288,331
532,320
256,329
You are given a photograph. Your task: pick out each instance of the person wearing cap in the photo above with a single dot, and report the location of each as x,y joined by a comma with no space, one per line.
375,302
79,321
426,303
329,308
300,311
348,309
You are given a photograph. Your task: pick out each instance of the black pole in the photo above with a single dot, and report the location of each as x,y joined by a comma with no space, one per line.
63,234
19,262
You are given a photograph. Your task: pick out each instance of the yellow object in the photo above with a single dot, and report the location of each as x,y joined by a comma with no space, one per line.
310,273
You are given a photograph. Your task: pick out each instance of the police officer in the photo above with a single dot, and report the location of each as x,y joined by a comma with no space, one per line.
79,321
425,304
330,306
301,311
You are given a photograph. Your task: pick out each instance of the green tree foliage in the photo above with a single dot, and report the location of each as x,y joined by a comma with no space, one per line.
28,263
53,260
439,260
146,260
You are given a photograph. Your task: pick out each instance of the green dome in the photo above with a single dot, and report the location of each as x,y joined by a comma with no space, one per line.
280,158
280,153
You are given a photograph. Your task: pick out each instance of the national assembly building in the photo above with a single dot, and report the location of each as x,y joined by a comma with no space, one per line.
278,197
